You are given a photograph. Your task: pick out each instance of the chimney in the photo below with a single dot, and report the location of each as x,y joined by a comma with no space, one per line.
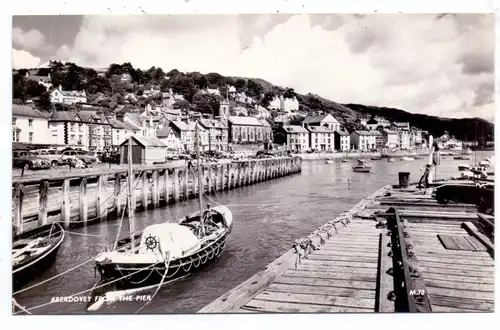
60,88
49,75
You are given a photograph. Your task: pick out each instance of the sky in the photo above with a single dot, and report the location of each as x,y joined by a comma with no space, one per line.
434,64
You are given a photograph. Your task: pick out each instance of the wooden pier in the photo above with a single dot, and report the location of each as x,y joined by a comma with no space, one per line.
79,199
398,250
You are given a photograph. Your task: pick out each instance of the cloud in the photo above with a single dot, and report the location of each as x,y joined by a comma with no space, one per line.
30,40
24,60
433,64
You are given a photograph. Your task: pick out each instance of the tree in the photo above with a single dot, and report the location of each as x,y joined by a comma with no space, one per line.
114,69
183,105
253,89
289,93
206,103
240,83
34,89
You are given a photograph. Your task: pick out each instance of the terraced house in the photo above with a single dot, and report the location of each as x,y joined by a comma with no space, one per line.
294,137
58,95
68,128
217,134
29,126
321,138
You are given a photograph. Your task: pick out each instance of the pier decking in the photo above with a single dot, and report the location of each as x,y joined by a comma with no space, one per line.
398,250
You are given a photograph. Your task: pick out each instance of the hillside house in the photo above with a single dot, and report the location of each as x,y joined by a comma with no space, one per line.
288,105
100,135
185,131
363,140
321,138
67,97
326,120
45,81
342,141
29,125
293,137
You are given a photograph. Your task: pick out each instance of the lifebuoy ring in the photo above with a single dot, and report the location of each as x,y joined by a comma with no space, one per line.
436,158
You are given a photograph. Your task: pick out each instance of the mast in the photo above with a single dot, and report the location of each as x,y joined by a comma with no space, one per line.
131,209
200,181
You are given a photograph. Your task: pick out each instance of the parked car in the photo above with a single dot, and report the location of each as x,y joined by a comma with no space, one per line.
52,155
24,160
68,156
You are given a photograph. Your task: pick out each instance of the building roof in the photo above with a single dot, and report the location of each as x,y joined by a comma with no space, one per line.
265,123
365,133
121,125
295,129
183,126
65,116
245,121
320,129
211,123
73,93
317,119
28,111
146,142
163,132
401,124
372,121
342,133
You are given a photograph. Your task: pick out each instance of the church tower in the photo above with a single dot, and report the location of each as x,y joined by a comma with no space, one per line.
224,112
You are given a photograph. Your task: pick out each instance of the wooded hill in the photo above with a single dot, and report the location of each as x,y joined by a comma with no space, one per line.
109,91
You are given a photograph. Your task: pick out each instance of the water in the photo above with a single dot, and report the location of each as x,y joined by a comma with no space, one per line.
269,216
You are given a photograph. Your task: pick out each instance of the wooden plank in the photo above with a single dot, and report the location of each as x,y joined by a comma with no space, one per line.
476,244
350,255
455,266
328,257
450,271
460,278
385,280
454,254
244,311
347,264
456,261
317,299
472,230
368,272
155,189
448,242
448,309
166,187
288,307
465,304
446,284
462,243
145,190
65,202
18,201
325,282
349,276
321,290
461,294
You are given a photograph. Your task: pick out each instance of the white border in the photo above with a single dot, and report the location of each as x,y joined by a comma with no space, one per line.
336,321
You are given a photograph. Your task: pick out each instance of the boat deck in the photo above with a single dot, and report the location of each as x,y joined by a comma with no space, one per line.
399,251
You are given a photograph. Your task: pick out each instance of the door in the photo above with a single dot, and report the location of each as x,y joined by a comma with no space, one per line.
136,154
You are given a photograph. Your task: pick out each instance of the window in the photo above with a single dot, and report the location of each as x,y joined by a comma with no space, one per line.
14,121
30,122
31,137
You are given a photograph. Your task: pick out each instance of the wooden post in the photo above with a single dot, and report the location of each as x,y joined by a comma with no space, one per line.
166,187
102,197
194,189
186,183
223,179
84,205
209,183
117,188
155,193
230,176
175,181
65,203
145,191
18,197
216,176
133,199
43,193
238,169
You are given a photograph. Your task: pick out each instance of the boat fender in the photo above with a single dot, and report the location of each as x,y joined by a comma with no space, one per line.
436,158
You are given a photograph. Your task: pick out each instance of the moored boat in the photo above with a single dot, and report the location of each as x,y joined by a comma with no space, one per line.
163,252
391,159
329,161
361,167
462,157
466,151
33,251
407,158
463,167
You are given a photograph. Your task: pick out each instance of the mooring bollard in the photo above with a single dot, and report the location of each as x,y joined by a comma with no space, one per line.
404,179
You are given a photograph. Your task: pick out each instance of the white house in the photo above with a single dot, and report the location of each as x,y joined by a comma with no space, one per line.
168,136
390,138
29,125
322,120
213,91
321,138
287,105
449,142
67,97
296,138
363,140
342,141
121,132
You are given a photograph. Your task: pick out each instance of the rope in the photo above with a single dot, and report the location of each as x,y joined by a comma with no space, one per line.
53,278
81,234
15,304
88,290
119,229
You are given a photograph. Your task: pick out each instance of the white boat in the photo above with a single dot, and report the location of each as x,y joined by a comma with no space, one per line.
161,252
391,160
485,163
407,158
462,157
466,151
329,161
361,167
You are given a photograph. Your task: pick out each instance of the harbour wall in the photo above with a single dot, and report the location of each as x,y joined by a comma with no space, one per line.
356,155
80,199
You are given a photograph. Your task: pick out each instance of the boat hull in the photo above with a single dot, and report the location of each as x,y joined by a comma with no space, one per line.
361,169
29,269
126,276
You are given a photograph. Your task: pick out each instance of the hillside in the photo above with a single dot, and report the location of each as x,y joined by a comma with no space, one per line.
107,88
